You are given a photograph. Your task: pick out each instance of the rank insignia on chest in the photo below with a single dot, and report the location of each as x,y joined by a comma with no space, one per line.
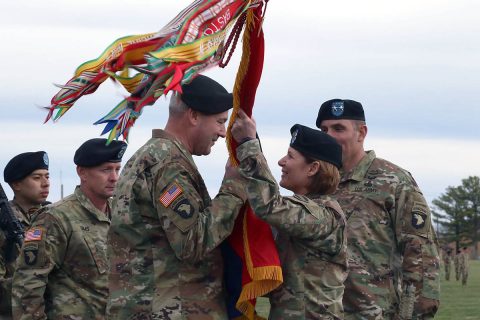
34,234
172,192
418,220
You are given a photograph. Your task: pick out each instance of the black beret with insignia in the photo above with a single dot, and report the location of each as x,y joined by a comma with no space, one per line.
340,109
207,96
94,152
23,164
316,144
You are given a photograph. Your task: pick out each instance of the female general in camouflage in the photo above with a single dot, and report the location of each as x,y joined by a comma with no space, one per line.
311,227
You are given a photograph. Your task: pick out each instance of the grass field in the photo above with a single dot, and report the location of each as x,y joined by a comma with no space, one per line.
457,302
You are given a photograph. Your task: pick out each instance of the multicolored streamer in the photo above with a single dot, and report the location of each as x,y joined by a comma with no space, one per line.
161,61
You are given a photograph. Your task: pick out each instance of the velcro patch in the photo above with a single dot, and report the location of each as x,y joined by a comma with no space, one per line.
34,234
184,209
418,219
173,191
30,254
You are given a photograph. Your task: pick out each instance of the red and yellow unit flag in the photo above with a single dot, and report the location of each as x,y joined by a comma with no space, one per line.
250,251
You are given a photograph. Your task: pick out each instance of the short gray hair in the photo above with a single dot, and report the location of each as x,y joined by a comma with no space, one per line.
177,106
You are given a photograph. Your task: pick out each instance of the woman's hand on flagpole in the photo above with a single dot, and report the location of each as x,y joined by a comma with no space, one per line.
244,128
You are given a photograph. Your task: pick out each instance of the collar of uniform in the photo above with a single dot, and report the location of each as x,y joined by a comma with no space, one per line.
87,204
162,134
360,171
15,204
23,217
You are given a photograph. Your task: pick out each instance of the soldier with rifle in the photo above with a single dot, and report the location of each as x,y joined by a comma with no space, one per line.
27,174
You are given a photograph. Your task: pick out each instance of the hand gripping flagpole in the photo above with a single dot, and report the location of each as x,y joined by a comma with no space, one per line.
252,238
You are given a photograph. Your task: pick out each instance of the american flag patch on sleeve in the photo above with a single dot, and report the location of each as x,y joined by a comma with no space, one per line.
171,194
34,234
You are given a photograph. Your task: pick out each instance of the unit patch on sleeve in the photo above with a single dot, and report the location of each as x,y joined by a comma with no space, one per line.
30,254
33,234
172,192
418,219
184,209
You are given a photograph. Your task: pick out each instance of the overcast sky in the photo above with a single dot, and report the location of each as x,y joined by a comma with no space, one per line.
414,65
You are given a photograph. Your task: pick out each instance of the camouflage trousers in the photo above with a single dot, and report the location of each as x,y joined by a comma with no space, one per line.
447,271
464,276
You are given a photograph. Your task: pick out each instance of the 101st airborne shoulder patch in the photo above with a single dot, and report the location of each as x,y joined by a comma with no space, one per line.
418,219
30,253
172,193
184,209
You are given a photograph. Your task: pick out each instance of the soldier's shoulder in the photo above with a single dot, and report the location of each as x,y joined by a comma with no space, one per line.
313,205
62,207
153,152
390,171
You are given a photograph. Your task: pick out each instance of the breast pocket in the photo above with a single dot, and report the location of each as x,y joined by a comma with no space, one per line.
98,250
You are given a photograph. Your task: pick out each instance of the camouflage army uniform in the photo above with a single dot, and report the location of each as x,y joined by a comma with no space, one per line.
456,262
392,247
164,263
5,302
5,283
62,269
311,242
448,266
464,265
25,217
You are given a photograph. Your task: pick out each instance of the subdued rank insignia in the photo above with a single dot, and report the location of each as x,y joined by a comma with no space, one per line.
418,219
30,254
294,137
184,209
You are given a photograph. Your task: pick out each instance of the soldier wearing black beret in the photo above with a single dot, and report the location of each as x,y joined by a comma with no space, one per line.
94,152
27,174
311,238
162,186
66,243
316,145
340,109
395,221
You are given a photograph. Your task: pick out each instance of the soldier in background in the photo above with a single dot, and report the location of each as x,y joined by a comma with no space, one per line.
62,268
447,261
456,262
392,247
27,174
464,265
163,242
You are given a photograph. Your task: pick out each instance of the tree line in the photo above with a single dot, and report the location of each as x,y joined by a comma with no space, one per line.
456,214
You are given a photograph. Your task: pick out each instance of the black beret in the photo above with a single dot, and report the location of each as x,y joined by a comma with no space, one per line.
94,152
316,144
207,96
340,109
23,164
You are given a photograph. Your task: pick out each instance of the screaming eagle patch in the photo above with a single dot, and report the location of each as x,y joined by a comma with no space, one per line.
418,219
184,209
30,254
